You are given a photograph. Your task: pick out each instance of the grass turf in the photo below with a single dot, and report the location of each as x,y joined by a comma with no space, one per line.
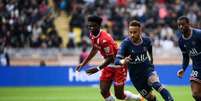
180,93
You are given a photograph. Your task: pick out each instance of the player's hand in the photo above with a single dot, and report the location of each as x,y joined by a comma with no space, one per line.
180,73
79,67
91,71
126,60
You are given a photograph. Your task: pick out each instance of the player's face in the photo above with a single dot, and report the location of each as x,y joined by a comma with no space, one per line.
134,31
183,25
93,27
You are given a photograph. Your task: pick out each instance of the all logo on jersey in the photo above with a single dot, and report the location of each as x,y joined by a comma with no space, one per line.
194,52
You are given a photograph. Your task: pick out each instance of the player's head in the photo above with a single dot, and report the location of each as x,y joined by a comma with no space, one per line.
134,29
94,24
183,23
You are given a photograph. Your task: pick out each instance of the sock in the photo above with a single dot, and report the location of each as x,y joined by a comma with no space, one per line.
164,92
110,98
132,97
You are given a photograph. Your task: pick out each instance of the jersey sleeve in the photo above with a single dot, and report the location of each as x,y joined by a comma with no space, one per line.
185,61
149,48
199,34
121,53
182,47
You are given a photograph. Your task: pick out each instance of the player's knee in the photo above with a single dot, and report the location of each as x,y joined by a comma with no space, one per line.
157,86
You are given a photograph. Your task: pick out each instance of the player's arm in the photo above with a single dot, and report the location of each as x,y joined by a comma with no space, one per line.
92,53
108,50
106,62
120,57
150,52
185,61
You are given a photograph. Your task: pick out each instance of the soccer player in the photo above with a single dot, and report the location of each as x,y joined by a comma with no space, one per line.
136,52
103,42
190,45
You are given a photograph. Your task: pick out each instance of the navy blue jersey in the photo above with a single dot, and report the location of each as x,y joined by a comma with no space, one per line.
140,63
191,47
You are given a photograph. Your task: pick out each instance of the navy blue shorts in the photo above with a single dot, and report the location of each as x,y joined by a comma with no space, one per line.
141,83
195,75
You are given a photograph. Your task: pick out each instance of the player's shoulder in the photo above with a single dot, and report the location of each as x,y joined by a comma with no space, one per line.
146,39
196,31
105,35
126,40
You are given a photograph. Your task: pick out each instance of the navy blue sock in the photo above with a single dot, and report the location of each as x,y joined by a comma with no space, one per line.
164,92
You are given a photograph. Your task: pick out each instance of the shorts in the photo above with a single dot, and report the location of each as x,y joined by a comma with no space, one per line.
195,75
117,75
142,85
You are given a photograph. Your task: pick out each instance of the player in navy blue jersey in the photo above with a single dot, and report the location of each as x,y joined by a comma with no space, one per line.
136,52
190,45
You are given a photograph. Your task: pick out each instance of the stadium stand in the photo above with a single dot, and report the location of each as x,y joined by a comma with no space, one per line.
61,23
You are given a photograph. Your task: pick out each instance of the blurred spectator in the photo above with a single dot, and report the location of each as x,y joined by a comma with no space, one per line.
4,57
42,63
24,22
71,42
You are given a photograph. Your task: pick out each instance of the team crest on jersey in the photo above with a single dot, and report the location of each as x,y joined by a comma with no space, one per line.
107,49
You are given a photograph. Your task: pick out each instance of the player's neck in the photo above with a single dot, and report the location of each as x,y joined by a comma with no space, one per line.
96,33
188,33
136,40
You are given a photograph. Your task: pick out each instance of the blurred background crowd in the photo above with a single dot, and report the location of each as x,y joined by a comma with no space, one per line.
62,23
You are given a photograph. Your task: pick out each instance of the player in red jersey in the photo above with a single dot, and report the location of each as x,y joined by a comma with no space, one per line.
104,43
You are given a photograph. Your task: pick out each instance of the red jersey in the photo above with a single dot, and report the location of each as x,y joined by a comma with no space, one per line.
105,44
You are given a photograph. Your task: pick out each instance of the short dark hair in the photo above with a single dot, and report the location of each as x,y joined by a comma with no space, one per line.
95,18
184,18
135,23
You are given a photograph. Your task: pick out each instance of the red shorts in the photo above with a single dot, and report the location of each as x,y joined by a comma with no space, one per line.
117,75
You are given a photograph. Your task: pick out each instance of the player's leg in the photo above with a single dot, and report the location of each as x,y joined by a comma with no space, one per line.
151,97
105,90
196,84
155,83
145,90
105,84
121,94
142,86
196,90
120,75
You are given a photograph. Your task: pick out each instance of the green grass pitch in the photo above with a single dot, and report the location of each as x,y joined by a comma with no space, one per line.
180,93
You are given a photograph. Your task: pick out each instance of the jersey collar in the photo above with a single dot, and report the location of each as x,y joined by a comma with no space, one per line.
97,35
136,44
